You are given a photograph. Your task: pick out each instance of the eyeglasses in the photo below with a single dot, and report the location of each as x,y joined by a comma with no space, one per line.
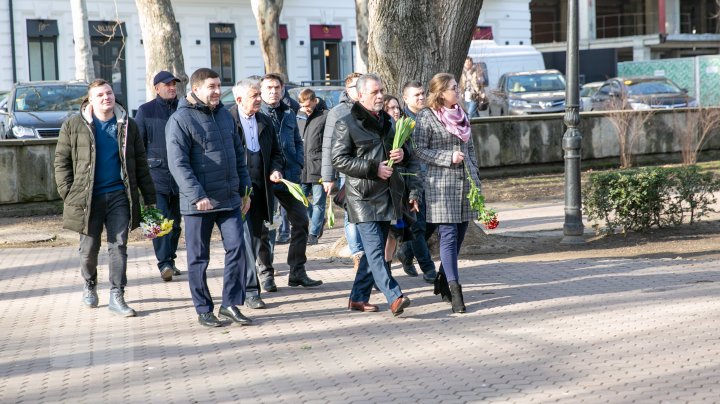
349,87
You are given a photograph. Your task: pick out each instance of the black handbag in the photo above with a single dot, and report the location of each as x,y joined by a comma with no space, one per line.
339,198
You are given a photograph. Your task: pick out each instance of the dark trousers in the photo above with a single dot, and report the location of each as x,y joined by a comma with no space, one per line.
299,222
112,211
262,251
198,229
450,237
417,247
165,247
372,264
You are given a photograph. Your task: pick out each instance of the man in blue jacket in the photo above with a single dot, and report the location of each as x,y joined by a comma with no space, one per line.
285,123
151,119
207,160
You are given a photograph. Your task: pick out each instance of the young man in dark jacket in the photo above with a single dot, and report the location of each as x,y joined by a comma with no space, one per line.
99,165
207,160
311,122
374,191
151,119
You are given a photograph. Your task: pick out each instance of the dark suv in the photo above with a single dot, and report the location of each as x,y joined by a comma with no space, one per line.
37,110
535,92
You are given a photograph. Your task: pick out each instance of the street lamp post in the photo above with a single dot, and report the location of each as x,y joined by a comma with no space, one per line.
572,139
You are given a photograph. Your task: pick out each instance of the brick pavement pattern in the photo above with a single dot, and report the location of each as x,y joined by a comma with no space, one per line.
568,331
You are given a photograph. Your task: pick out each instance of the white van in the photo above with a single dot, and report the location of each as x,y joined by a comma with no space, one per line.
501,59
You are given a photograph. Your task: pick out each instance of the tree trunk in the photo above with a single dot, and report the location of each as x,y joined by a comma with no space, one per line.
361,24
84,69
161,41
267,17
415,39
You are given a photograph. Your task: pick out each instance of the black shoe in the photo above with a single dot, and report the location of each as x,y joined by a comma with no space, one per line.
282,240
458,305
429,276
254,302
176,271
304,281
441,287
410,270
269,285
90,297
232,313
312,240
117,304
166,273
209,320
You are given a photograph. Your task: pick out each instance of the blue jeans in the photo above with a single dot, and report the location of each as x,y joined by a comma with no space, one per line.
472,108
351,232
372,265
166,246
283,230
111,210
450,237
198,229
417,247
316,210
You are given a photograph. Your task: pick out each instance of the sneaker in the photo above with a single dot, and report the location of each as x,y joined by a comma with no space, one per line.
312,239
166,273
90,297
117,304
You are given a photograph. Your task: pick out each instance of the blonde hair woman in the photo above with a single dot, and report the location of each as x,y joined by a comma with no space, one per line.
444,141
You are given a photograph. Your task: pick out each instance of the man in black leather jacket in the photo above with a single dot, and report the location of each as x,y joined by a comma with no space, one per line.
374,191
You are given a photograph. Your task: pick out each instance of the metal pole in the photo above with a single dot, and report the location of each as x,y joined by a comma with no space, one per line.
572,139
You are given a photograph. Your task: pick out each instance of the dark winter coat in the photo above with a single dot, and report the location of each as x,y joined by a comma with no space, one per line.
361,143
339,111
312,129
206,157
291,143
269,150
151,119
75,167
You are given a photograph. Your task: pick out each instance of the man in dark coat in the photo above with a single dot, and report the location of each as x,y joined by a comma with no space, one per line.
99,165
311,122
207,160
285,124
265,165
151,119
374,191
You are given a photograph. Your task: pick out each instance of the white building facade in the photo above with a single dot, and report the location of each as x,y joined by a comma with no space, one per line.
319,39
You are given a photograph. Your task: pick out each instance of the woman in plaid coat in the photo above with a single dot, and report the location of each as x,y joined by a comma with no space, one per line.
444,141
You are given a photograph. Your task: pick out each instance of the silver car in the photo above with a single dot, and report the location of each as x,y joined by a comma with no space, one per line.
535,92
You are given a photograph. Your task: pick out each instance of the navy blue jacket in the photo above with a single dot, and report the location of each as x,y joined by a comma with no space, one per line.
151,119
206,157
291,143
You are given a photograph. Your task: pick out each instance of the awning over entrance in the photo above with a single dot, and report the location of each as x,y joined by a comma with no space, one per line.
283,32
326,32
482,33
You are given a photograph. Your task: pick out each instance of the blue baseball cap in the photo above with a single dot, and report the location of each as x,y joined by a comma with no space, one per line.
164,77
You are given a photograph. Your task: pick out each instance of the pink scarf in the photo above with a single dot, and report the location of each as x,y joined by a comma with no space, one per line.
455,121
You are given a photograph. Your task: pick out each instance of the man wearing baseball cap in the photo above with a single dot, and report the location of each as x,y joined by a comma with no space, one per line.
151,118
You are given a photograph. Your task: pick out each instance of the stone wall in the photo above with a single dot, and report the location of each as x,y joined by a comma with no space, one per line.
26,171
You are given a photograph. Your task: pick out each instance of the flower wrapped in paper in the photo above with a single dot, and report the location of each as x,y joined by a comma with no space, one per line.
153,224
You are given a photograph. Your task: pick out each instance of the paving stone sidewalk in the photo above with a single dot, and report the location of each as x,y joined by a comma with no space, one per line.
568,331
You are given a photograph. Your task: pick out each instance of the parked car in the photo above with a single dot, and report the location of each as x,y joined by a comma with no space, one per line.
534,92
641,93
586,93
37,110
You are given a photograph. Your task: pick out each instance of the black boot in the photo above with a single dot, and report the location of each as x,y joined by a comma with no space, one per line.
458,305
441,287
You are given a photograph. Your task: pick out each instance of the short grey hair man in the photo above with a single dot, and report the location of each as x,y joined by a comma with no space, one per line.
243,85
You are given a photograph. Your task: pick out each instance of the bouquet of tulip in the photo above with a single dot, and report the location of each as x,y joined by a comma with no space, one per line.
248,191
329,212
296,191
153,224
403,128
486,216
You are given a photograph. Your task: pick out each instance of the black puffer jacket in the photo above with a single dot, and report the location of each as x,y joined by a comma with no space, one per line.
361,143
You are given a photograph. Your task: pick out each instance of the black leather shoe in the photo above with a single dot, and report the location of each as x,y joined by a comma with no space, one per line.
312,240
304,281
232,313
176,271
209,320
410,270
269,285
429,276
254,302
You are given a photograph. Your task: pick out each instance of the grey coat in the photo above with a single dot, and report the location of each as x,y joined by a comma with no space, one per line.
327,171
446,185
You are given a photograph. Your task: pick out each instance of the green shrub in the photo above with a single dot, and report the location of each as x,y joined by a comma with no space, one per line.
638,199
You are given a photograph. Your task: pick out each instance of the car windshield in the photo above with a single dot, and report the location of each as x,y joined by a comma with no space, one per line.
49,98
533,83
652,87
331,95
588,91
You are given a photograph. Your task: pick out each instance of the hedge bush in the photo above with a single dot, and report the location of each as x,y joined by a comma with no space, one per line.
639,199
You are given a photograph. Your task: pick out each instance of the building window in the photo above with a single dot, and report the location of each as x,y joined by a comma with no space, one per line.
42,49
222,55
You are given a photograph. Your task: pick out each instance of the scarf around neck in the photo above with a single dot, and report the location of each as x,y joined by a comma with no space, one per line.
455,121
